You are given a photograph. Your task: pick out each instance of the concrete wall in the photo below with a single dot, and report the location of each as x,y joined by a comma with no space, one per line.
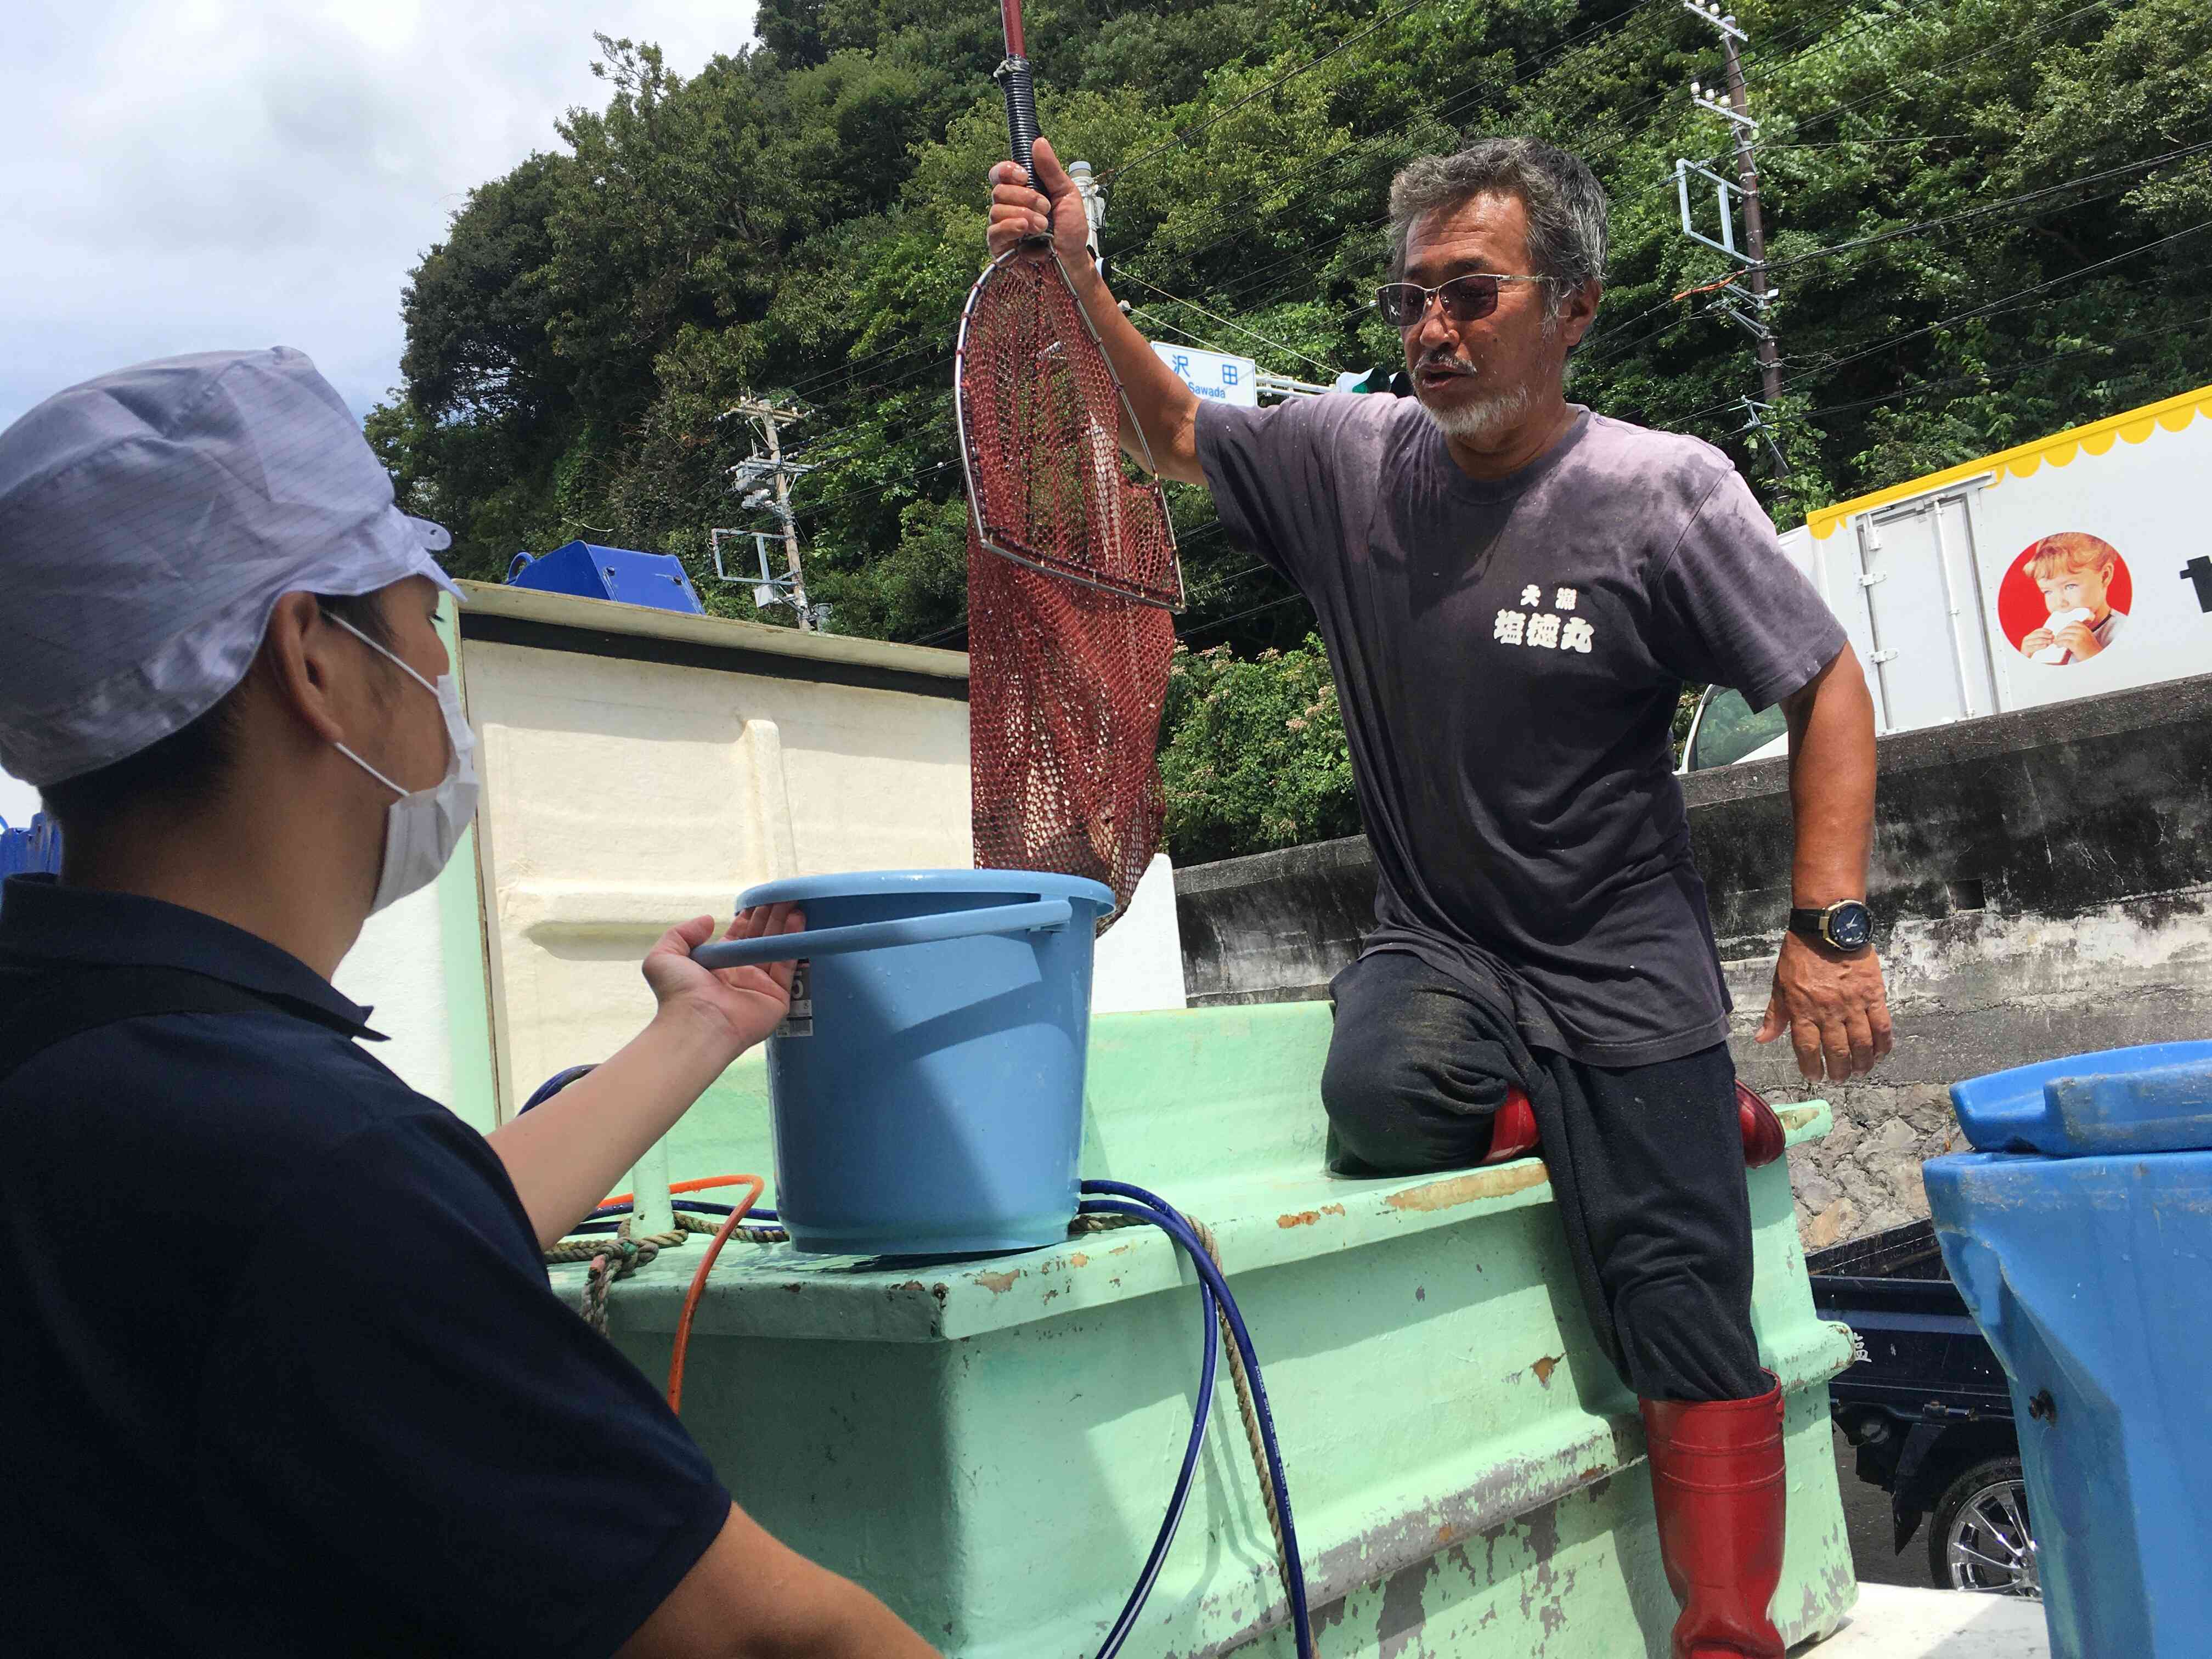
642,767
420,967
639,767
2042,882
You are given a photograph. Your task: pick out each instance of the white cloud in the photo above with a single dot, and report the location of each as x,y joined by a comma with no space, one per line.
187,175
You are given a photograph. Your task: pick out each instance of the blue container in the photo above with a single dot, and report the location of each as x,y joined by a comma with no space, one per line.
620,573
30,852
928,1095
2081,1234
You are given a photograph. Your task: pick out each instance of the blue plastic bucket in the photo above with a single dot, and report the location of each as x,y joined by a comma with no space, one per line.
934,1105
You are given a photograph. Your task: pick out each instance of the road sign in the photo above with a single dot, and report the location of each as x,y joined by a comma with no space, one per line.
1224,379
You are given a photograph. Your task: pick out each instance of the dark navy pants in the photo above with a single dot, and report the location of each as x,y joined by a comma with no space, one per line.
1646,1163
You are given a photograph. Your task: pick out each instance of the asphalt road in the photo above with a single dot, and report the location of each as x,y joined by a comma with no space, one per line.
1866,1515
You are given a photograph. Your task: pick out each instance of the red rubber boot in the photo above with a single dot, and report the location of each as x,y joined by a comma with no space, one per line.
1513,1130
1763,1136
1717,1482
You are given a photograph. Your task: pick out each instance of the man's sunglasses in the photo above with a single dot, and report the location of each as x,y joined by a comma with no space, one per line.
1465,298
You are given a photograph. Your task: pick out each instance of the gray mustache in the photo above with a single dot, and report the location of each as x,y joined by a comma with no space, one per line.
1444,361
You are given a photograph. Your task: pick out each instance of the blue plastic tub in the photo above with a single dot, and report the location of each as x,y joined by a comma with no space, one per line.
928,1099
2080,1233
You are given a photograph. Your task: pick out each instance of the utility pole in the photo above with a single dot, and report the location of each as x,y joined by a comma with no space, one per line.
764,480
1094,209
1737,111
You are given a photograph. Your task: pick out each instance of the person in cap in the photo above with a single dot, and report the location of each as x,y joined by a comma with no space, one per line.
305,1388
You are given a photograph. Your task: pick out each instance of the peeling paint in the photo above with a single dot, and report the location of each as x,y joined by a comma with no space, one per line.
1466,1188
999,1284
1302,1218
1078,1259
1325,1618
1545,1366
1399,1621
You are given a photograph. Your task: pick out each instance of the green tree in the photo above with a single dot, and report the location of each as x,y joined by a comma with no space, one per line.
803,216
1256,756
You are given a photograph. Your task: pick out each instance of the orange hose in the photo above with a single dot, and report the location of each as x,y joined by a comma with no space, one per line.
699,1279
704,1183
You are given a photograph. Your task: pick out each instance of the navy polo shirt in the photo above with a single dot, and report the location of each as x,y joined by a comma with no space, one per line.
280,1370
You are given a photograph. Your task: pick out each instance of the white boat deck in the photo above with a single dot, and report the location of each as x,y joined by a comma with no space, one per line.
1891,1622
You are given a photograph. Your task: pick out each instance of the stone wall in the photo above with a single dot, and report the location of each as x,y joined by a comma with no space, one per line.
2042,883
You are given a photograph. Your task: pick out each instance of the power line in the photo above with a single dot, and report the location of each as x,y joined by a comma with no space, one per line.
1253,333
1620,353
1441,110
1183,135
2009,41
848,373
1987,208
1224,622
1253,279
1822,371
1983,379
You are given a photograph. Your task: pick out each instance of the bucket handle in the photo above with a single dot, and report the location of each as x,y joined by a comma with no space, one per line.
1042,915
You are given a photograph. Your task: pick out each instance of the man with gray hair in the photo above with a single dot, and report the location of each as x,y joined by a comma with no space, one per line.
1514,590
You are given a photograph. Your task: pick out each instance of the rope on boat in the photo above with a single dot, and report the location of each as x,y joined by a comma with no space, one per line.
1245,1408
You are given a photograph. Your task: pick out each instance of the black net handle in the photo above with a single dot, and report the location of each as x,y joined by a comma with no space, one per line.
1019,87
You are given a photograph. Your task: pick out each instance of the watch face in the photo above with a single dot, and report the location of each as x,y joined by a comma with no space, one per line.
1850,925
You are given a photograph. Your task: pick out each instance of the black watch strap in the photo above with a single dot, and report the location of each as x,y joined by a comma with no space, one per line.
1816,924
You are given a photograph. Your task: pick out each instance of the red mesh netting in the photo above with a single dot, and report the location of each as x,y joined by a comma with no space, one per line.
1068,635
1064,692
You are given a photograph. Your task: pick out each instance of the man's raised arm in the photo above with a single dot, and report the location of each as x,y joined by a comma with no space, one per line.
1165,407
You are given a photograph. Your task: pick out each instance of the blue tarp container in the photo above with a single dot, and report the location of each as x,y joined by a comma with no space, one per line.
2079,1231
27,852
620,573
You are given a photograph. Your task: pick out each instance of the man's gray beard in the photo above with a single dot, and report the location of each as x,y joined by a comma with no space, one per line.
1479,418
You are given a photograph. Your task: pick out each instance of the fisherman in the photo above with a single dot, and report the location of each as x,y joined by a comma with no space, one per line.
1513,590
284,1374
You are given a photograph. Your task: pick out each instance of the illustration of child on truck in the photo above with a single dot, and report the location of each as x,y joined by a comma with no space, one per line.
2076,573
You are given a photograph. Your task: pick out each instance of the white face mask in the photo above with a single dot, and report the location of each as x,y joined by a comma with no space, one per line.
422,829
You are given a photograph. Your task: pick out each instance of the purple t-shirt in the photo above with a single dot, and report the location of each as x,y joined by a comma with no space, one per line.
1509,654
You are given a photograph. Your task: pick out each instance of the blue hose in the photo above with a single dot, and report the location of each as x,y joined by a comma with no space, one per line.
695,1206
1168,1220
1119,1198
1116,1198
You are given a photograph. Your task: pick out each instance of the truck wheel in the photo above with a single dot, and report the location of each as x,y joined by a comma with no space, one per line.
1980,1539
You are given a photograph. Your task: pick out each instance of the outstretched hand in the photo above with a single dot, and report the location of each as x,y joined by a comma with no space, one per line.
750,1002
1055,207
1833,1006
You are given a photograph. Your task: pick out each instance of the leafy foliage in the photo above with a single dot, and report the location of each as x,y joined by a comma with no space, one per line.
1255,756
803,218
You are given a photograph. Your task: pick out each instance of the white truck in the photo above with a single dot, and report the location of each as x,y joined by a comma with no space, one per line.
2077,564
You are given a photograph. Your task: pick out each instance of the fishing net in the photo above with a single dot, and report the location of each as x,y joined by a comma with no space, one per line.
1072,571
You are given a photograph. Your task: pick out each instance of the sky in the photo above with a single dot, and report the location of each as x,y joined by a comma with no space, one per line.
194,175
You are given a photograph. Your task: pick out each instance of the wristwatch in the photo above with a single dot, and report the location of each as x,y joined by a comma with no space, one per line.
1846,925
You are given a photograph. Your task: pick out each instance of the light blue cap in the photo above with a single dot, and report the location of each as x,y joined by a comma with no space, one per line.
150,521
